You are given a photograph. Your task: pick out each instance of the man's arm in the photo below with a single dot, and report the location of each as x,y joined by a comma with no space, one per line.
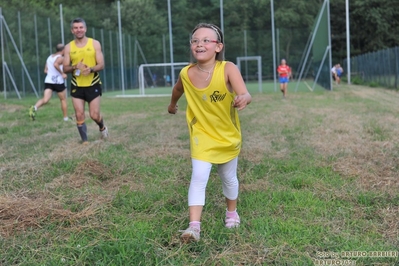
99,57
57,64
67,60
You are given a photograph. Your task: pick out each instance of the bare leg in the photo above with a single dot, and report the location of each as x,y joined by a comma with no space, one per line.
62,96
285,89
46,98
231,205
282,89
79,106
94,109
195,213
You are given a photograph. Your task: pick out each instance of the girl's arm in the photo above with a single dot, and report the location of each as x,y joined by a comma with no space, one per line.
236,83
177,92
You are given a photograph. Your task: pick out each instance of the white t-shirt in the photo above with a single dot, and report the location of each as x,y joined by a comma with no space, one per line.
53,76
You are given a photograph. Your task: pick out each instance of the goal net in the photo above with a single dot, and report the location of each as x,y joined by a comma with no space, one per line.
317,61
157,79
251,72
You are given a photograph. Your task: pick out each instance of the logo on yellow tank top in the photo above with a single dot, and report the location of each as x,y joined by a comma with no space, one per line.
217,97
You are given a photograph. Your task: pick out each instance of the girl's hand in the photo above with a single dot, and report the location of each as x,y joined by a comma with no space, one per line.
172,109
240,101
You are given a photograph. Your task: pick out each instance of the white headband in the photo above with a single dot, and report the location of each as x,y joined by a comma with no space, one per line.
217,32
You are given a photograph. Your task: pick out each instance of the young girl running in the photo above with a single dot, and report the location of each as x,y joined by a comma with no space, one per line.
215,91
284,72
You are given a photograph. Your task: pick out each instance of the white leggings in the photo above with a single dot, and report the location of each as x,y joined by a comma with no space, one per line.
200,177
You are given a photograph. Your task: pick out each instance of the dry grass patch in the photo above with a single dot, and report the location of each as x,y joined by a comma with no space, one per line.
23,210
258,185
390,223
18,212
380,95
349,139
12,108
92,168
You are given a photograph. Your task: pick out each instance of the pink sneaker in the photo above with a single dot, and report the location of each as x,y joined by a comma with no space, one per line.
189,235
232,222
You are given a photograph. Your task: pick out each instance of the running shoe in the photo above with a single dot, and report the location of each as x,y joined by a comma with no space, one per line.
104,133
191,234
32,112
232,222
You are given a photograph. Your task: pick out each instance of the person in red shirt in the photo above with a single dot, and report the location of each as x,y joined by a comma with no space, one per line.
284,72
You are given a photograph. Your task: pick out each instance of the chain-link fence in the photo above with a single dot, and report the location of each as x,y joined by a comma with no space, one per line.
380,68
29,37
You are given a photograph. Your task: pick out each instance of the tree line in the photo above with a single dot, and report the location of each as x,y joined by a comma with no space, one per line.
373,23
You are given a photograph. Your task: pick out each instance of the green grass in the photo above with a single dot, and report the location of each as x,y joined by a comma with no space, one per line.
318,173
253,87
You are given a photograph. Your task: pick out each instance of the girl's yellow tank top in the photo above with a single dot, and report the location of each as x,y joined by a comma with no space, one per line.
86,55
213,123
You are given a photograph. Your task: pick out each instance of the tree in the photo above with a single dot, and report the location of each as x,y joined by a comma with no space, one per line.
338,29
141,19
374,24
296,19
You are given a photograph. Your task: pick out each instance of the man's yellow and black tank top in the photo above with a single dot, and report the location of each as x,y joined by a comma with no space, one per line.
86,53
213,123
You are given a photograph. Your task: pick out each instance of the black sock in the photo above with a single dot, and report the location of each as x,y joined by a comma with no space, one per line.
83,131
100,124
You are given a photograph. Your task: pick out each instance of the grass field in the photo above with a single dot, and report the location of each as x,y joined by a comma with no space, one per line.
253,87
318,177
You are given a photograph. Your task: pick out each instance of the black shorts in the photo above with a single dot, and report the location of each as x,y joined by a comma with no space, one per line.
86,93
55,87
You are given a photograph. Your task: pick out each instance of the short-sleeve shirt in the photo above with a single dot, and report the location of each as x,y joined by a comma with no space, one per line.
283,70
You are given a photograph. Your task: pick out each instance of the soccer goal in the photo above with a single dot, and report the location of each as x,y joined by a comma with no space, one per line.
317,59
258,72
157,76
